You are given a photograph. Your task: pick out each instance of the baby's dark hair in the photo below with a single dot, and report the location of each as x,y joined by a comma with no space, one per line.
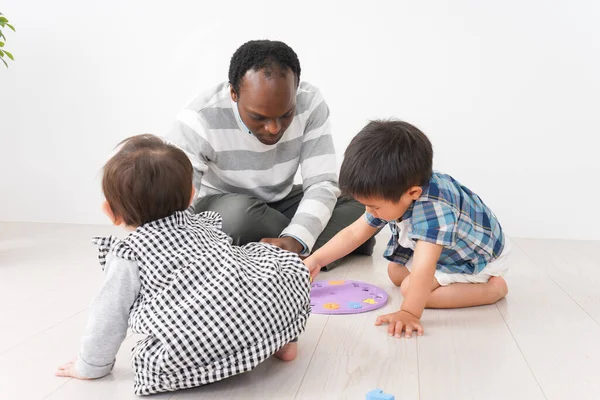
385,159
262,55
146,180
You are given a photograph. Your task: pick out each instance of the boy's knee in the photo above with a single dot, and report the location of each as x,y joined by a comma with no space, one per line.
404,286
397,273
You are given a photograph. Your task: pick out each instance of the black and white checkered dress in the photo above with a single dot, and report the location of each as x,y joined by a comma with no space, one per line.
209,309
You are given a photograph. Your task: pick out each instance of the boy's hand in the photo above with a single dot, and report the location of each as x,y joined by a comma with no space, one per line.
399,321
313,267
68,370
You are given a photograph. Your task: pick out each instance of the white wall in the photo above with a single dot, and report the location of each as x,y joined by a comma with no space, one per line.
509,92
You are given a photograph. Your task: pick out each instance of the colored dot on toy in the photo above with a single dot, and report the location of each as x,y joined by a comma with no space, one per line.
336,282
354,304
370,301
331,306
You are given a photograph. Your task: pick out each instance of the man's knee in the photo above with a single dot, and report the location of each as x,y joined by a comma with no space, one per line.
241,216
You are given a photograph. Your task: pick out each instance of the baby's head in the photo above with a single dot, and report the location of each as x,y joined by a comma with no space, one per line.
146,180
385,167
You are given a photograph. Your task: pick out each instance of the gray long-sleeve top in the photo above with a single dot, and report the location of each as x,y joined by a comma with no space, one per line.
108,319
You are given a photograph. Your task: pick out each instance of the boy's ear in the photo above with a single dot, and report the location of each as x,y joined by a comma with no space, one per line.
108,211
415,192
193,195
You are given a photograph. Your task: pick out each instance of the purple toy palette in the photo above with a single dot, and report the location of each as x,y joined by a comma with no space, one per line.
345,297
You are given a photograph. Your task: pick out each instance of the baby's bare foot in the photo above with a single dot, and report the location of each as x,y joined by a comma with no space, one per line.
287,352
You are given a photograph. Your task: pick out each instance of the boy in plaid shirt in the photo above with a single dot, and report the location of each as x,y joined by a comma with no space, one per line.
447,248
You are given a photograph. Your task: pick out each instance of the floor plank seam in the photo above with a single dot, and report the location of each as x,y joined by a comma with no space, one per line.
312,356
42,332
557,284
345,276
521,351
58,388
418,371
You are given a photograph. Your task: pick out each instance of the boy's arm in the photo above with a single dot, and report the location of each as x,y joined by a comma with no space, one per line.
347,240
422,274
108,321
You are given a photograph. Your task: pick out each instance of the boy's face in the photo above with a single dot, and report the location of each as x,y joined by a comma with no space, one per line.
388,210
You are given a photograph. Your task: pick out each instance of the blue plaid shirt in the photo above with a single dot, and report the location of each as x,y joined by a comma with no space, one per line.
451,215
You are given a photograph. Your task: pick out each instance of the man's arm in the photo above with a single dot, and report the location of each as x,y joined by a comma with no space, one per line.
320,181
189,134
108,321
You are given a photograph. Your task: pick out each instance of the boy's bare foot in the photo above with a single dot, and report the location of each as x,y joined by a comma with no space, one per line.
288,352
499,284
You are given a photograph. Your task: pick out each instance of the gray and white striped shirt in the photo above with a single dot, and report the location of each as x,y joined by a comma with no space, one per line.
227,159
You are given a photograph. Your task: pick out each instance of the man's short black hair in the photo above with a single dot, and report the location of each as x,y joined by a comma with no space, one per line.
264,55
385,159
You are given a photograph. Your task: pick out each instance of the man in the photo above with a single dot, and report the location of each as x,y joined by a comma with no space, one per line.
247,138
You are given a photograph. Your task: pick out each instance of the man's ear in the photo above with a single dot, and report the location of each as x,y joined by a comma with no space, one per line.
232,93
415,192
109,213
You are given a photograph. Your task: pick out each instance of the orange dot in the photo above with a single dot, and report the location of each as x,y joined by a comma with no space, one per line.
336,282
331,306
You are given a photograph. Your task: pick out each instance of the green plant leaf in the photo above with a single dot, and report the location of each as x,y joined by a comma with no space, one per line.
1,44
2,35
3,19
11,27
4,62
1,53
9,55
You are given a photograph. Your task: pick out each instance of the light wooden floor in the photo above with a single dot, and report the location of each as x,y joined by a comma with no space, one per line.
542,341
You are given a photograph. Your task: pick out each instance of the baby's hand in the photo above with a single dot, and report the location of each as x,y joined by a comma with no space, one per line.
399,321
68,370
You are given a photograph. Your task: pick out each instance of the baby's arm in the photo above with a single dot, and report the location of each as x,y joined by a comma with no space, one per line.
108,321
347,240
422,274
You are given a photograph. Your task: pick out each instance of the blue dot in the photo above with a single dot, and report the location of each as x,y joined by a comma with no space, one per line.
353,304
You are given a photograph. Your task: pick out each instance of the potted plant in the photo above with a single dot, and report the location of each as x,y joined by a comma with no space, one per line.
3,53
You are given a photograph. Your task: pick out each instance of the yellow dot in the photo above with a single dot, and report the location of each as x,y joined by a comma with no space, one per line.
370,301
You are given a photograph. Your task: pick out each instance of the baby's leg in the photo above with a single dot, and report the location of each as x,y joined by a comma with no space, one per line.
397,273
288,352
459,295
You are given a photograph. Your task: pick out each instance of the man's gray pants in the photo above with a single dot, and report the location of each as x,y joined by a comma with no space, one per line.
247,219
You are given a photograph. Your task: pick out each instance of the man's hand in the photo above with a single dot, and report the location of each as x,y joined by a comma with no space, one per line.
399,321
313,266
286,243
68,370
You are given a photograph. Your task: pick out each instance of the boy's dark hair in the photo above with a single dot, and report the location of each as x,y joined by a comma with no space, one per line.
385,159
146,180
260,55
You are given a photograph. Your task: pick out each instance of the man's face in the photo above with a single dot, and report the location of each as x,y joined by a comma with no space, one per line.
267,105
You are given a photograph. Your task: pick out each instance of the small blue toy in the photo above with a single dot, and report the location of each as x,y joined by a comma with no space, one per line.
378,394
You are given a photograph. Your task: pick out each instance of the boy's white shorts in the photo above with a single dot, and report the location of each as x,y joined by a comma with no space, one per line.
498,267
